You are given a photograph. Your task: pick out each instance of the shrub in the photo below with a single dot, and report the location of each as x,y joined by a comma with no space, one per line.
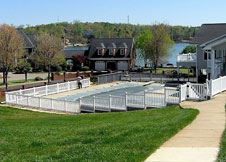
85,68
38,78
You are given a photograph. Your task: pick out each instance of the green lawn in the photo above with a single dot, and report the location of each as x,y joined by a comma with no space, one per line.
222,152
124,136
18,82
168,70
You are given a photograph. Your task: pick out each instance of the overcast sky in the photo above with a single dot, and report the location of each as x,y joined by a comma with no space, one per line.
173,12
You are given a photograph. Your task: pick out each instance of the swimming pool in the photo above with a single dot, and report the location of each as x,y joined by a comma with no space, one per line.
117,90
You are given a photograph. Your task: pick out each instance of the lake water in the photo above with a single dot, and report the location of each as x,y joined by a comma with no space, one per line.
178,48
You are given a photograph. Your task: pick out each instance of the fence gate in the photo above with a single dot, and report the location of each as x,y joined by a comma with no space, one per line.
172,95
196,91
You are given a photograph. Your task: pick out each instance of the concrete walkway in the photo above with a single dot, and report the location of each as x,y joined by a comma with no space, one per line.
199,141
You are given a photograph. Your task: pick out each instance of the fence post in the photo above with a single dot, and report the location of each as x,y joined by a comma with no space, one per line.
68,85
40,104
16,99
165,96
65,105
46,89
51,103
109,103
180,94
126,101
211,88
27,100
145,100
94,104
221,84
34,91
188,86
58,88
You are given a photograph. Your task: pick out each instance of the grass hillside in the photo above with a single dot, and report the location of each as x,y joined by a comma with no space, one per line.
125,136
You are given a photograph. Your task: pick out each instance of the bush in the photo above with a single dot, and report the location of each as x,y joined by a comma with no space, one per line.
85,68
38,78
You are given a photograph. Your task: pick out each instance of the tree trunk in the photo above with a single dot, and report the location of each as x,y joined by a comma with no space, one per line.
3,77
6,80
25,76
48,74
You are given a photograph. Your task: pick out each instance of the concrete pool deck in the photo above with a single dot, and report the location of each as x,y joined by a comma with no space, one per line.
200,140
96,87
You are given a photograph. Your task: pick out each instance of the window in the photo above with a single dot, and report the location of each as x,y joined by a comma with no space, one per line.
110,51
99,52
205,55
122,51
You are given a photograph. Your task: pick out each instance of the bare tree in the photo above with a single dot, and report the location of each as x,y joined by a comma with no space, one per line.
48,51
11,49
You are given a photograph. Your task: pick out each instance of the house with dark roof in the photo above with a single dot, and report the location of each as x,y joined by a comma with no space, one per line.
102,53
29,41
111,54
210,57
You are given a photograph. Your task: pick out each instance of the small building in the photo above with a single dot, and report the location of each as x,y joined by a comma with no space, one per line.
111,54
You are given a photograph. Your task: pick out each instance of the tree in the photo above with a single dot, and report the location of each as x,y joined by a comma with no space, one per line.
48,51
189,49
78,60
155,44
160,44
143,43
24,67
11,49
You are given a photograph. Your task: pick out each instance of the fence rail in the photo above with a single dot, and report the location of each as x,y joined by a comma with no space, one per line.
33,97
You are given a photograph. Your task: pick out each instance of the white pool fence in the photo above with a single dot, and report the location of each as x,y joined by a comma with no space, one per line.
33,97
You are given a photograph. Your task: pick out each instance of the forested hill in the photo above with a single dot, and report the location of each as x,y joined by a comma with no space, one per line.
79,32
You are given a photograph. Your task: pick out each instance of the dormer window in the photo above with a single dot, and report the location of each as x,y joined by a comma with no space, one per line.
111,51
122,51
99,52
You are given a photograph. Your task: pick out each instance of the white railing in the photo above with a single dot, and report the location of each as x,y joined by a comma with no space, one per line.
217,85
129,101
190,57
183,92
33,97
155,99
172,95
135,100
197,91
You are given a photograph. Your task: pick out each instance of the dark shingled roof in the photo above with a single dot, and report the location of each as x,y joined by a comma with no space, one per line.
29,39
209,32
109,43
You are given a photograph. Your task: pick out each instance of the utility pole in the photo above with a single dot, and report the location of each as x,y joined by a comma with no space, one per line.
128,19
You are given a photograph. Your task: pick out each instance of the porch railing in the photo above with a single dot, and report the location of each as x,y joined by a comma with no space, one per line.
190,57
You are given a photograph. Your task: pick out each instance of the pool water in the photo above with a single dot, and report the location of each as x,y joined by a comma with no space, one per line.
117,90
